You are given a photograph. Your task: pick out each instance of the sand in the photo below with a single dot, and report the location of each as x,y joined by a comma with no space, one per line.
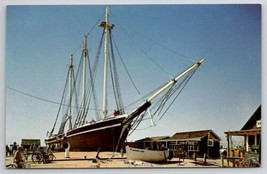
88,160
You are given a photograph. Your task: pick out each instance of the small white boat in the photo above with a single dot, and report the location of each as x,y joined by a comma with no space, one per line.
147,155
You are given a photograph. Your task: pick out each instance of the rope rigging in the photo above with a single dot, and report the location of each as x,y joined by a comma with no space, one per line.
171,91
77,92
158,108
160,105
93,76
45,100
81,109
155,42
114,73
88,33
183,85
62,98
96,24
91,84
159,44
125,68
145,53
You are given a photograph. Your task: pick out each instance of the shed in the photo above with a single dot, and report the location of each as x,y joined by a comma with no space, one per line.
198,142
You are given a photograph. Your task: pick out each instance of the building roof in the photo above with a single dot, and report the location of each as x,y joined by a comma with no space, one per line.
193,135
251,123
150,139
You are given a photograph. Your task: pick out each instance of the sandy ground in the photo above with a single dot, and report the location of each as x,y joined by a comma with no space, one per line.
87,160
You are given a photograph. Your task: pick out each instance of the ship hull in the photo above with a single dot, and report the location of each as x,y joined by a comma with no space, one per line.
90,137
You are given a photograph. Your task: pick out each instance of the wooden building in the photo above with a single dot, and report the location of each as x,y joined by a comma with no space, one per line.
251,132
198,142
187,143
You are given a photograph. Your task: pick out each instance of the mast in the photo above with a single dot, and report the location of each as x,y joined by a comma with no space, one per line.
85,52
70,91
106,54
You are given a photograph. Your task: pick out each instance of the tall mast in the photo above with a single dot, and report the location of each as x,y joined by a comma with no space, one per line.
70,90
105,94
85,52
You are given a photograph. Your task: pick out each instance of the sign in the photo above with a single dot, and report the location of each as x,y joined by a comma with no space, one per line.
258,123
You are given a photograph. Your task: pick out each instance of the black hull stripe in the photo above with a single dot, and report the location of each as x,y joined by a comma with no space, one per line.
94,130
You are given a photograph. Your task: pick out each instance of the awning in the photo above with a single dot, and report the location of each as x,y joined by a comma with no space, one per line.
243,132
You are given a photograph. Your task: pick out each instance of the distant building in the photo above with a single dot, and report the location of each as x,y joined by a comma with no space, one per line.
251,132
186,143
27,143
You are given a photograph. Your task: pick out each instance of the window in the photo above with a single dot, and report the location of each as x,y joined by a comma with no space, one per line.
210,142
172,146
193,147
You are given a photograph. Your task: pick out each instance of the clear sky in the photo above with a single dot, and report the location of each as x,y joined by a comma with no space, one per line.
222,95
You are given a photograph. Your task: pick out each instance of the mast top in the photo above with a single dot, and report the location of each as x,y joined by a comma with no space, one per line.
107,15
200,62
105,24
71,60
85,42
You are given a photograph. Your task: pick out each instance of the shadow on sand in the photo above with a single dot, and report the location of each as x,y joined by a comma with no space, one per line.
202,163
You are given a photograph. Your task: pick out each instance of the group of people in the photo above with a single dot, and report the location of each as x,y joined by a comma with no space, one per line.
17,153
10,150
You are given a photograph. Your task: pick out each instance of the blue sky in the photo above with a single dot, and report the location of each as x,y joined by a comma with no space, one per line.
221,96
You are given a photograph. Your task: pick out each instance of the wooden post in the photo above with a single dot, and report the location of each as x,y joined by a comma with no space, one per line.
245,142
234,163
228,148
247,145
228,145
255,141
222,161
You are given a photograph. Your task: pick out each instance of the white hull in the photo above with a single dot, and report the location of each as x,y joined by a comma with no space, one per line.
147,155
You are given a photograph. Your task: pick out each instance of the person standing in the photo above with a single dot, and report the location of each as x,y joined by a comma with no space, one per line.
7,151
18,157
14,148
